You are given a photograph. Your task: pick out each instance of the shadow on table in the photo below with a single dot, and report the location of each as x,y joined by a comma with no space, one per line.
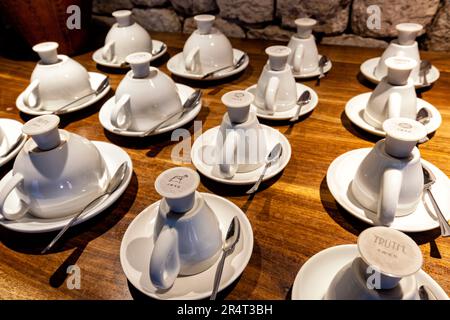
251,281
157,63
355,226
356,131
226,190
219,84
363,80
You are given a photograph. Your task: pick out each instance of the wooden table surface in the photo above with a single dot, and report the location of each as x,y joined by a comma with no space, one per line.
293,217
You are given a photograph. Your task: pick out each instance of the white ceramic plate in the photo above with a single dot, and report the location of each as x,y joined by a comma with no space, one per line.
184,92
156,45
12,129
137,245
176,66
354,109
113,156
208,140
314,73
368,70
286,115
94,78
341,173
315,276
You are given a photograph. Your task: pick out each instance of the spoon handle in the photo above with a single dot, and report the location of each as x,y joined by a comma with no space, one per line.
218,276
297,113
72,221
445,227
256,185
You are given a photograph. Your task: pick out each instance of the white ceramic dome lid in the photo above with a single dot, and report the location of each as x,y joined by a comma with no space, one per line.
390,251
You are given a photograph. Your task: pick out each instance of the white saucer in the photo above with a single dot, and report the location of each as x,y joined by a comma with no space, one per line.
341,173
176,66
137,246
286,115
12,129
354,109
94,78
368,70
113,156
314,73
315,276
208,140
97,56
184,92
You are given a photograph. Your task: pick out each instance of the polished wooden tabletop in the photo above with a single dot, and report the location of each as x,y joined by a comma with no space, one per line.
294,216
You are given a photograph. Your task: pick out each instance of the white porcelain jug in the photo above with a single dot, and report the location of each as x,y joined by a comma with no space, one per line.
56,174
385,269
389,181
56,80
395,95
125,37
304,57
144,97
404,46
240,143
187,236
206,49
276,88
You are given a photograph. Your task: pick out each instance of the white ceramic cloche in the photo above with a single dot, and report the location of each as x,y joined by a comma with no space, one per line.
56,174
144,97
125,37
207,48
389,181
187,236
56,80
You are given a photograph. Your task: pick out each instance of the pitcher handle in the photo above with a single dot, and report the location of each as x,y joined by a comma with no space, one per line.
31,97
394,105
391,184
298,57
190,60
108,51
12,183
227,167
271,94
121,113
165,260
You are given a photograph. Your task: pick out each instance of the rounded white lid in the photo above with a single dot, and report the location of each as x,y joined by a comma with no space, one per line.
278,56
140,63
204,23
390,251
409,27
400,63
177,182
47,51
123,17
44,131
404,129
237,98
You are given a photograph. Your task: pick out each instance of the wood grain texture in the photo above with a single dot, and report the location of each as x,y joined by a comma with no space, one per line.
293,217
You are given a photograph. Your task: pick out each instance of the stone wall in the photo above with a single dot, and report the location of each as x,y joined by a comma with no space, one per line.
341,22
